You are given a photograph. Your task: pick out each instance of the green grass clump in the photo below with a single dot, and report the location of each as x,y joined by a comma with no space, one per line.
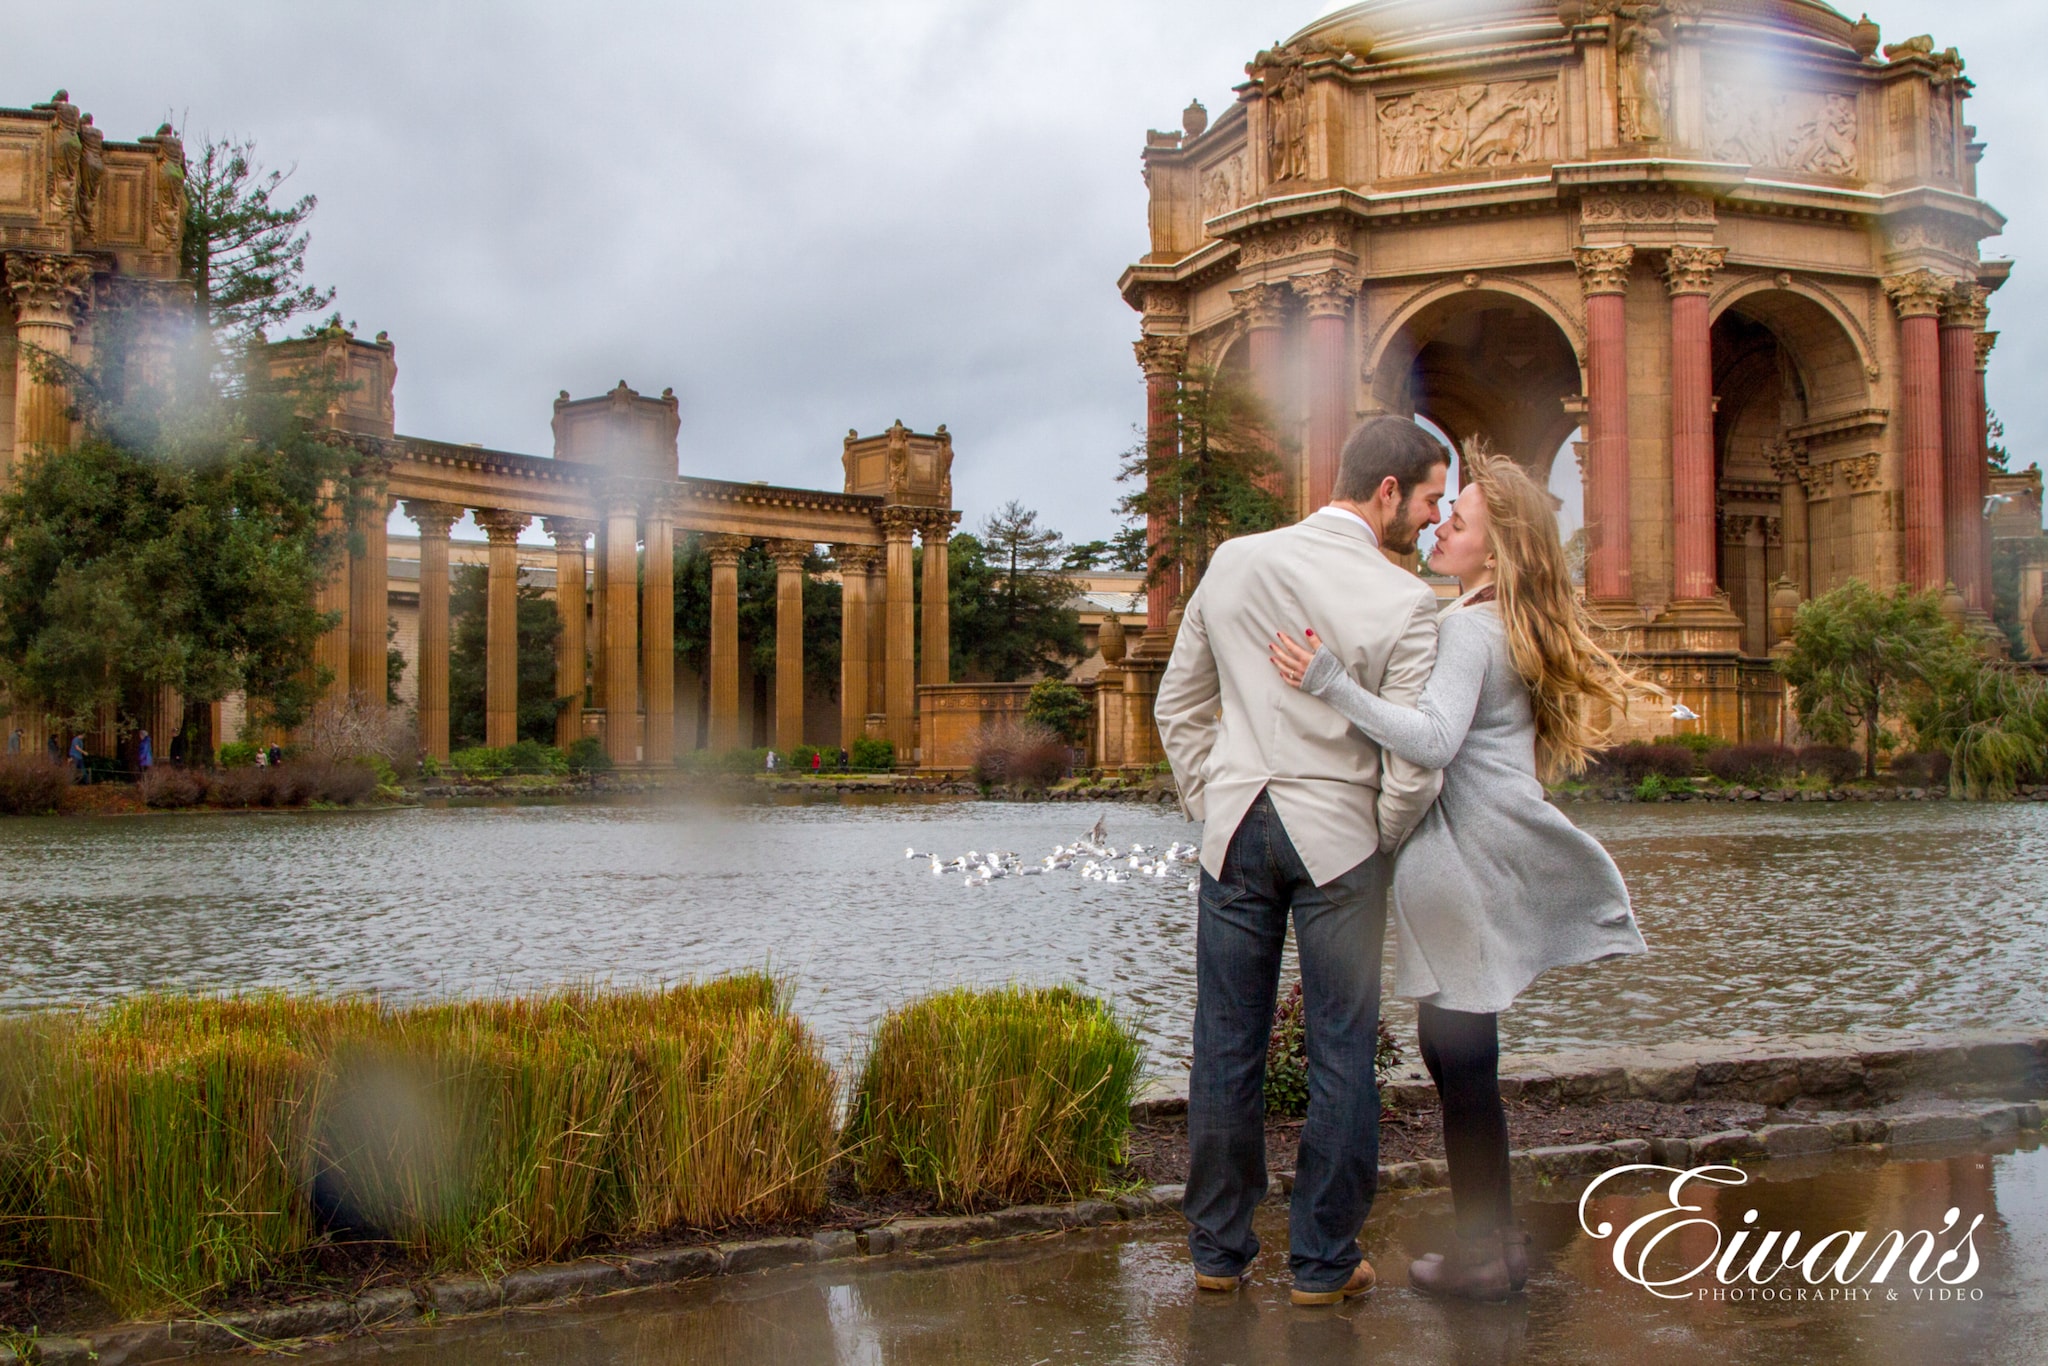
989,1096
171,1147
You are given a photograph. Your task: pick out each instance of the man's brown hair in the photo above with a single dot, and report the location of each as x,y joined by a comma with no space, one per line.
1381,447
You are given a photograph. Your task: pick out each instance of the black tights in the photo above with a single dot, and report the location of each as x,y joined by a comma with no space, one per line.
1462,1051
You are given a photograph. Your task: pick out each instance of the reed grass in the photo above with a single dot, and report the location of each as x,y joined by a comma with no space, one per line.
987,1096
171,1146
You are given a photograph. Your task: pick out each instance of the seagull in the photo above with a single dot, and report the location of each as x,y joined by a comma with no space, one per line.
1100,830
1681,712
1995,502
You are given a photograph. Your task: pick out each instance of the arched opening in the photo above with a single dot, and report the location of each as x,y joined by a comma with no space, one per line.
1488,364
1791,396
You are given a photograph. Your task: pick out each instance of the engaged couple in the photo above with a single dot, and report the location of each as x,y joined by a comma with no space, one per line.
1348,745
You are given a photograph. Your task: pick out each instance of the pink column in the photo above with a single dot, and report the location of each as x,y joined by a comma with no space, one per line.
1329,296
1983,342
1603,277
1962,441
1689,271
1918,299
1265,313
1162,359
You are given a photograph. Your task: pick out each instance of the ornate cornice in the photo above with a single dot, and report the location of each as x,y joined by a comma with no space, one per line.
1161,357
1862,472
937,522
1263,304
46,287
1918,293
433,519
1327,293
1603,270
1787,459
724,547
1165,302
1691,270
569,532
502,524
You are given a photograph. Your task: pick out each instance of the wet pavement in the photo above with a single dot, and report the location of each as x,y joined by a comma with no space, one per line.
1123,1295
1761,920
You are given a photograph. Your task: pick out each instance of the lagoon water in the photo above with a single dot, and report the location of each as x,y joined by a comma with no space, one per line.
1760,920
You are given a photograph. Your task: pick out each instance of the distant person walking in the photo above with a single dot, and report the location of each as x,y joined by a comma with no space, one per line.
276,756
772,761
145,752
14,741
817,760
77,756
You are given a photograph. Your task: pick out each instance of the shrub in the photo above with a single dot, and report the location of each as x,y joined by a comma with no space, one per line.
1920,768
1656,786
1022,755
240,787
174,1147
1754,765
1699,742
1631,763
588,755
873,753
172,788
1060,707
239,754
343,783
798,760
1287,1058
32,785
527,756
1833,763
988,1096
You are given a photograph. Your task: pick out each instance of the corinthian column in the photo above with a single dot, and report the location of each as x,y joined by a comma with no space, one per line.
501,626
1962,444
789,557
1264,307
369,592
1329,296
725,639
1163,359
878,634
1918,297
570,573
937,529
48,291
854,563
331,651
1688,273
1787,460
433,520
658,637
1603,278
899,524
620,634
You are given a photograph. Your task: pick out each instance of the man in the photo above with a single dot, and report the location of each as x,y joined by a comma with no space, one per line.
1301,813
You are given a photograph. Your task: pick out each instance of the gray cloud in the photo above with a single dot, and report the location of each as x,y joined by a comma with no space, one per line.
804,217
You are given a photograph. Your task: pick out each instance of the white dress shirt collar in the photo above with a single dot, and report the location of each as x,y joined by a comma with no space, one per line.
1332,510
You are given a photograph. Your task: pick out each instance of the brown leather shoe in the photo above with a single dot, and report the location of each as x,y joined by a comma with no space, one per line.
1474,1270
1242,1278
1514,1253
1363,1278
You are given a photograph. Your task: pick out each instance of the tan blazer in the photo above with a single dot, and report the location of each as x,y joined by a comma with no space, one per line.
1231,726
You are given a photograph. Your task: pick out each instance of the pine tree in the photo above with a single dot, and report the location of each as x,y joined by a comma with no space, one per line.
244,252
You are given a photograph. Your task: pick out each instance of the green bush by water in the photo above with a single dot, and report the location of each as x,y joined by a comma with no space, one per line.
986,1096
872,752
528,756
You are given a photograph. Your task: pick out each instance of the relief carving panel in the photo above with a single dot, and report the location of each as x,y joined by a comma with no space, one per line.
1224,187
1808,131
1464,127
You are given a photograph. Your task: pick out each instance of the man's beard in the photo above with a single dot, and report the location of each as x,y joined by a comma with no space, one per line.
1401,535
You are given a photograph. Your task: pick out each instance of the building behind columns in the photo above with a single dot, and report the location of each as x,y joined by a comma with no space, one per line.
89,227
1725,254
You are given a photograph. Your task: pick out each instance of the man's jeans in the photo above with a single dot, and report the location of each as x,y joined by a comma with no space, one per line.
1339,931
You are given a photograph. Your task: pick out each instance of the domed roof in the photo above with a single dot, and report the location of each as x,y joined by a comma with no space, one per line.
1362,25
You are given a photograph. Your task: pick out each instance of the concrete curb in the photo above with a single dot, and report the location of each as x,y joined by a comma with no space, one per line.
1841,1071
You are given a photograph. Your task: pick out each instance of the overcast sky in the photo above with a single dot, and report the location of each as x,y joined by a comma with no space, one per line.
805,217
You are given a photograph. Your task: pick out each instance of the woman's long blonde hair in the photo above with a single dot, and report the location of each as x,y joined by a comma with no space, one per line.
1550,633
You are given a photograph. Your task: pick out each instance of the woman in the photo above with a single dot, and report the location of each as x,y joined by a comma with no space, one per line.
1495,886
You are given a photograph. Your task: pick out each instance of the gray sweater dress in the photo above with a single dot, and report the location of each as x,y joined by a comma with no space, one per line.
1495,886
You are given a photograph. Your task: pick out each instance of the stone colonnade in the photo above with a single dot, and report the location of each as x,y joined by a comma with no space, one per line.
631,643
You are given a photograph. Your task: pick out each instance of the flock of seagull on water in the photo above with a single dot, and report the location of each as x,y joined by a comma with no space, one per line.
1092,856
